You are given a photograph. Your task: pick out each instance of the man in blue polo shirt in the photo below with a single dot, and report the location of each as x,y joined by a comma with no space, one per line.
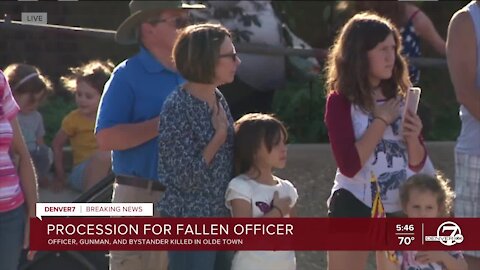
128,115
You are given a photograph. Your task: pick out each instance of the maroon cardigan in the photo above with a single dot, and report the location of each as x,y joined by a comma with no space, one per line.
338,120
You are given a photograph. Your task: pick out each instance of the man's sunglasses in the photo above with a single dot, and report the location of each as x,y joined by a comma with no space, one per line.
178,22
231,55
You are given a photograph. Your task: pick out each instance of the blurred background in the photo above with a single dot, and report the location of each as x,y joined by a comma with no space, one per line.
290,86
299,101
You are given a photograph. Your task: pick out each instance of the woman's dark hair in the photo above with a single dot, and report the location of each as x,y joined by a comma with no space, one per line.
348,66
197,49
251,131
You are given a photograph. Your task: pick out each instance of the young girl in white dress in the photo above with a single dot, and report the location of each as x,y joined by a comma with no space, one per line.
260,147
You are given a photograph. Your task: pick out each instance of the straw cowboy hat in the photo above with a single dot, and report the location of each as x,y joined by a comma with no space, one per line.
140,10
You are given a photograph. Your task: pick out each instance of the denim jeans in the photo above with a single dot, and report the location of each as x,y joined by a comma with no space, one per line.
200,260
12,224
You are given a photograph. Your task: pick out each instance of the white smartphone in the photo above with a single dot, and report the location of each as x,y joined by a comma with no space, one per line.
412,99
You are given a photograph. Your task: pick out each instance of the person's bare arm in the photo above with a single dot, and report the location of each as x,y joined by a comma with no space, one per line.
26,172
462,61
443,257
293,212
28,181
384,115
40,141
58,142
243,208
427,31
126,136
383,263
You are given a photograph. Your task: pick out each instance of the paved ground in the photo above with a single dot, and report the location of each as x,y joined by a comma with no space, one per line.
67,195
311,168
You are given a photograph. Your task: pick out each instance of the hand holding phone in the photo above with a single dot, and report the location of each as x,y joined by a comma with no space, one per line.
412,99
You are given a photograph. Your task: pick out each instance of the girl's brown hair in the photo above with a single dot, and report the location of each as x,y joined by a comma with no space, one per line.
437,184
96,73
27,79
348,66
251,130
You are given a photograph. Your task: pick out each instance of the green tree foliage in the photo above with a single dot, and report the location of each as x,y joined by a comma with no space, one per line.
55,108
301,107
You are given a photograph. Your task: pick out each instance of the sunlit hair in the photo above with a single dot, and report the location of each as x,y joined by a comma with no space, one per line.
347,66
95,73
438,185
251,131
197,49
27,79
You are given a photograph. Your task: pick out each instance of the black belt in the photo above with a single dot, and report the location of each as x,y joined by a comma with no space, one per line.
136,181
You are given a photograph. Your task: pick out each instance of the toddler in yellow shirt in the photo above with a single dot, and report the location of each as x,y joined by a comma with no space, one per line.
90,164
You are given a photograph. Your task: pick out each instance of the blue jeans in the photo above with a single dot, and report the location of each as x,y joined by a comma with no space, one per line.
12,226
76,179
199,260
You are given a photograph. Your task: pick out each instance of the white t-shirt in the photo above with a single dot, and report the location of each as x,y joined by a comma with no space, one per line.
261,196
389,163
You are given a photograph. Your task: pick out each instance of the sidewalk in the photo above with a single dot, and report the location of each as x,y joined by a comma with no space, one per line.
66,195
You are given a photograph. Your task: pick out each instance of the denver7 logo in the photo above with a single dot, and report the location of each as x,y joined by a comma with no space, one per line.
455,236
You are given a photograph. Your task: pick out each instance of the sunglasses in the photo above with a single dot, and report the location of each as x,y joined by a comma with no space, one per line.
178,22
231,55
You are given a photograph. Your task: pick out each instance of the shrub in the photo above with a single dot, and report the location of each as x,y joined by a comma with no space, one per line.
53,111
301,106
